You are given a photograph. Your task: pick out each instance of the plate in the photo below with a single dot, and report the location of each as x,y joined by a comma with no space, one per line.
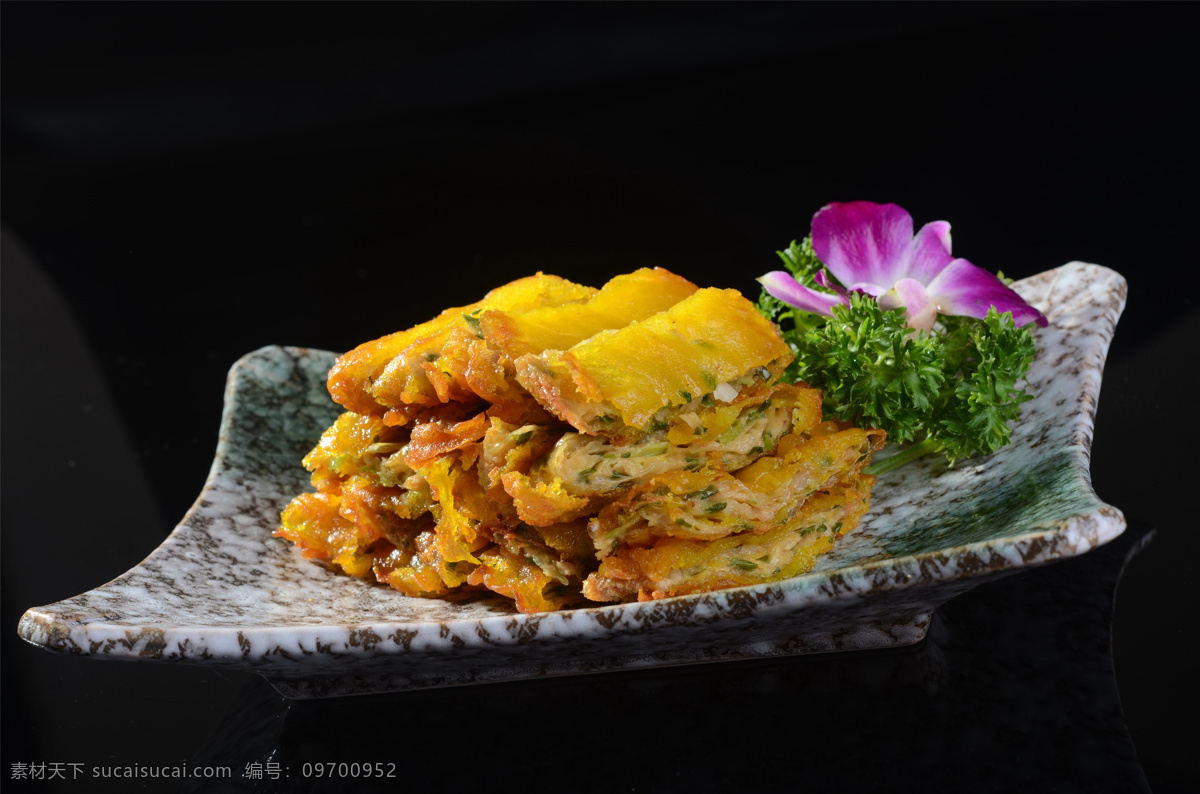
221,590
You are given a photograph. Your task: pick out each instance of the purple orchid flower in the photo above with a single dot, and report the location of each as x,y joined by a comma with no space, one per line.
871,248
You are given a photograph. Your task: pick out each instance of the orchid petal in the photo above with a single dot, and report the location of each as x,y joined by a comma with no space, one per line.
863,242
782,286
822,279
874,290
920,310
929,253
967,290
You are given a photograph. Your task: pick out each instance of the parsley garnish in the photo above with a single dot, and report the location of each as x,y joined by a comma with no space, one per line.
952,391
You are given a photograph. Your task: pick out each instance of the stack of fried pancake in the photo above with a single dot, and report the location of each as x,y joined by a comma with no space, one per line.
555,444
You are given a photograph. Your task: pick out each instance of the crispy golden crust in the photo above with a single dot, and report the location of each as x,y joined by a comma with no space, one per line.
623,300
354,378
553,443
672,566
618,381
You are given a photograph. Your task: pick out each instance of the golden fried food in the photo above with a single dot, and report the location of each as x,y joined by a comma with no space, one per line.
624,380
671,566
623,300
353,380
556,444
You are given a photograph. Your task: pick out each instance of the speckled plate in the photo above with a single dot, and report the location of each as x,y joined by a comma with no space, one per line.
222,591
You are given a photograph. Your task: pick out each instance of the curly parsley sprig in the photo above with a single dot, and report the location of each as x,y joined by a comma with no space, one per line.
951,390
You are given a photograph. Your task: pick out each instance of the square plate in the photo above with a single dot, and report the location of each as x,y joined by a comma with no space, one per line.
221,590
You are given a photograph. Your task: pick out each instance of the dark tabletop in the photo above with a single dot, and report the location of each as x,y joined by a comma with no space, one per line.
184,183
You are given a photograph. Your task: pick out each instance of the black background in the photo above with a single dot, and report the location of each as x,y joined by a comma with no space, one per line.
184,183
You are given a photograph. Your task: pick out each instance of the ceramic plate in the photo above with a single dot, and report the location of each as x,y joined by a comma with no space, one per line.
222,591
